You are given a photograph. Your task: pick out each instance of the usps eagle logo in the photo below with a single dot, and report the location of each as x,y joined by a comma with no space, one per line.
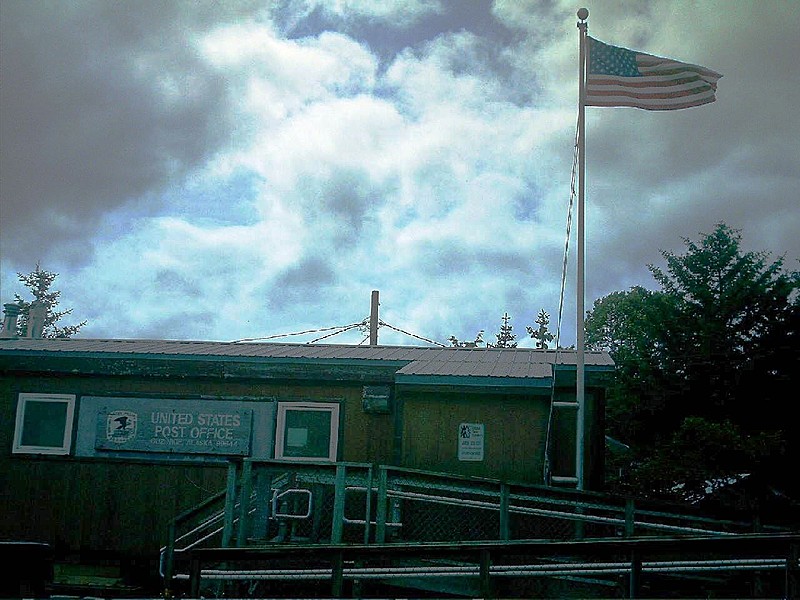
121,426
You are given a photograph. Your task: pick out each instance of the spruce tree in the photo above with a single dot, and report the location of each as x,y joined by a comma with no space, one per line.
39,282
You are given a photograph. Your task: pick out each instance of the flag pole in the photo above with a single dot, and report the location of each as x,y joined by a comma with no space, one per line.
580,392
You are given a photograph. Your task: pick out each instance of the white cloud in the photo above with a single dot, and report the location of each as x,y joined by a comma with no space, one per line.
278,171
390,13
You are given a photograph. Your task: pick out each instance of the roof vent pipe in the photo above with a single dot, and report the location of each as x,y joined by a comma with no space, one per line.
10,313
36,316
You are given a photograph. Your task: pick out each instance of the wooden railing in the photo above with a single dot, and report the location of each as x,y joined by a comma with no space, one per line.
267,501
630,567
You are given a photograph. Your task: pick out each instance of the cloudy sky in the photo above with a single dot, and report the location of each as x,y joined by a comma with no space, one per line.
241,169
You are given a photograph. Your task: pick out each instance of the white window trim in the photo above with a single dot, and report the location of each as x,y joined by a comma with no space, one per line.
280,427
66,445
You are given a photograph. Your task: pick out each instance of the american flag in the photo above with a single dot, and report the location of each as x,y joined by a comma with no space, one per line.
622,77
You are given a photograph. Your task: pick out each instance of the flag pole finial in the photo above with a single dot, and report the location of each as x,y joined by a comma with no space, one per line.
583,14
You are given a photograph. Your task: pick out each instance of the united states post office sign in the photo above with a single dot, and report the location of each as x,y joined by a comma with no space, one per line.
185,427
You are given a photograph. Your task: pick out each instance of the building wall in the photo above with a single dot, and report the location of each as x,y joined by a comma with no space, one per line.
514,434
514,427
123,506
119,506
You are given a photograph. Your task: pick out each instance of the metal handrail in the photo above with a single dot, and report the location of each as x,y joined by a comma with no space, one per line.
396,483
488,561
276,497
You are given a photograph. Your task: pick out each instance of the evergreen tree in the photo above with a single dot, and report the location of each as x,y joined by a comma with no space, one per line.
705,367
39,283
541,334
729,302
506,337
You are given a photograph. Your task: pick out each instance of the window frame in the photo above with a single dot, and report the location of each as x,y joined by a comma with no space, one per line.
66,445
333,408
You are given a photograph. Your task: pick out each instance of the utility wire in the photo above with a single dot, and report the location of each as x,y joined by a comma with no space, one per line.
341,330
280,335
572,196
419,337
337,330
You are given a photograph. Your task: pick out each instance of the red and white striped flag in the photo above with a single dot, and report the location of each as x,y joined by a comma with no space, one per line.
621,77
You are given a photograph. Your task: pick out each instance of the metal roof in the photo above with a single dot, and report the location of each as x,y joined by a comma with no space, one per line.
411,360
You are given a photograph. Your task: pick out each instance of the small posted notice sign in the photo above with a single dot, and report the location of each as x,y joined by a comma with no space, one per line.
470,442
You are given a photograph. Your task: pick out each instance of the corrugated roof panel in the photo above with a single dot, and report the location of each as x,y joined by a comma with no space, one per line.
495,362
398,352
470,356
422,367
483,369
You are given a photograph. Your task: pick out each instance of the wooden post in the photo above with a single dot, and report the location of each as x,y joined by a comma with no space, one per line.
486,582
194,577
263,509
792,572
634,581
337,574
244,504
169,558
230,504
630,522
368,507
337,527
505,520
381,508
373,319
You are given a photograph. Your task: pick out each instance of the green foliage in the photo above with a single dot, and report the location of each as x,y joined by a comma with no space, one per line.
477,343
39,283
633,327
506,337
705,367
541,334
702,456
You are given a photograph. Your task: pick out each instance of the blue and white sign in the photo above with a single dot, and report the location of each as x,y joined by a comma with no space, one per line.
172,426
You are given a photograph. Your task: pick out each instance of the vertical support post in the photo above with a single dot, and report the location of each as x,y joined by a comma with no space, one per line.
337,573
792,590
580,333
169,558
505,517
194,577
318,491
630,521
230,504
244,503
368,507
337,527
486,581
381,508
373,319
635,579
263,509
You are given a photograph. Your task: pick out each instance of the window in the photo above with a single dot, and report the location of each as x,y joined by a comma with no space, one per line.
307,431
44,424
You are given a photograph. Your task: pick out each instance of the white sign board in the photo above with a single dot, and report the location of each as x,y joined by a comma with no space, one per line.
470,442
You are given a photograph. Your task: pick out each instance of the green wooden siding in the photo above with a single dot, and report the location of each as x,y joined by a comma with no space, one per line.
124,507
514,433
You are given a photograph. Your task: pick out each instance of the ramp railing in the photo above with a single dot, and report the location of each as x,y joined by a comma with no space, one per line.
740,566
270,502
